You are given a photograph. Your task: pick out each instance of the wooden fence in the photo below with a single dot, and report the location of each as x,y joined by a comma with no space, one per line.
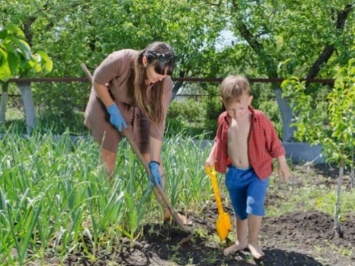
191,79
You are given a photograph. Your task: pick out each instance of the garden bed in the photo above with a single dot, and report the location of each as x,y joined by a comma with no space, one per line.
298,237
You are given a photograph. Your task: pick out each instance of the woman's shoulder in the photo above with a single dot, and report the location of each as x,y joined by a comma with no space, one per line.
168,82
124,54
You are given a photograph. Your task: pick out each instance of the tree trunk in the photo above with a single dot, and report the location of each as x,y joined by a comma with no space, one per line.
4,100
352,170
30,112
286,114
177,86
337,201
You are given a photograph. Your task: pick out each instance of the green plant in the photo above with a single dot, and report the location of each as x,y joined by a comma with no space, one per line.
334,127
16,57
55,196
187,117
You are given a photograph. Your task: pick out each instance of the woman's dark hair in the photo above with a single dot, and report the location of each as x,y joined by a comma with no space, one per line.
161,56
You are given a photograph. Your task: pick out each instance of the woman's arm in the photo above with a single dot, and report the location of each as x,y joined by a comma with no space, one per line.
102,92
155,149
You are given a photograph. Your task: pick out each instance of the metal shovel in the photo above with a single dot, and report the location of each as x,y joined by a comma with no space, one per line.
223,223
162,194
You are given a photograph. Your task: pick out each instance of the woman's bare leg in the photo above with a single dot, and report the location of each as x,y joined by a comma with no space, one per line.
109,160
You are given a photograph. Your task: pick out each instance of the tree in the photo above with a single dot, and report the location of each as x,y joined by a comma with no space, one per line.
272,39
331,124
17,59
283,38
87,31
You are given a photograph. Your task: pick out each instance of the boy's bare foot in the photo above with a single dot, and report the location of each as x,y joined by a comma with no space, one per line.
234,248
256,251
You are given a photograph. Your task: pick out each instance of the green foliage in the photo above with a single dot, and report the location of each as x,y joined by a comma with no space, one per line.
16,57
266,38
193,118
271,109
185,116
60,123
55,198
60,106
213,108
332,124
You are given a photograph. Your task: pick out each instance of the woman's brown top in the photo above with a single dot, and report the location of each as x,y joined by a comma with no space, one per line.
117,72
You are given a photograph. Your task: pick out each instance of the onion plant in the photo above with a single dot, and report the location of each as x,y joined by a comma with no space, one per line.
55,198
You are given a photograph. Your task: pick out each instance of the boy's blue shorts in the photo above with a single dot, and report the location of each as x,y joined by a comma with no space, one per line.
247,192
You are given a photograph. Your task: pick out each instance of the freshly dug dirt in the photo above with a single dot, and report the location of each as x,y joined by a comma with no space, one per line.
296,238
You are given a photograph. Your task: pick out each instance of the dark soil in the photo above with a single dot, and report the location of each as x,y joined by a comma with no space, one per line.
296,238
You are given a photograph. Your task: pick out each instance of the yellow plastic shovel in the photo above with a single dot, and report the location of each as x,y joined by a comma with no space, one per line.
223,223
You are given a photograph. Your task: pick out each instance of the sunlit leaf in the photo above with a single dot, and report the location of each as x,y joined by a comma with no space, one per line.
13,62
15,29
3,34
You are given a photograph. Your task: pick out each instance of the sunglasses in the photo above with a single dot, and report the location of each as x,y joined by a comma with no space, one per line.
163,58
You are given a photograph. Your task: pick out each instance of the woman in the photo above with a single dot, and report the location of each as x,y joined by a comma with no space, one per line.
132,89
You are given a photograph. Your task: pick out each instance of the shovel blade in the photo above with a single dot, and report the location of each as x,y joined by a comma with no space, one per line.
223,225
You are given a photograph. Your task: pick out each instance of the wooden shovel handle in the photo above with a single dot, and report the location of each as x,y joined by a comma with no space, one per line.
130,140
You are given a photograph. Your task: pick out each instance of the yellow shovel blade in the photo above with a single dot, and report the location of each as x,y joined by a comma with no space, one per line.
223,223
223,226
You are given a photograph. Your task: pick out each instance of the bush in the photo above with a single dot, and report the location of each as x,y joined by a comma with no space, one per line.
185,117
271,109
58,123
194,118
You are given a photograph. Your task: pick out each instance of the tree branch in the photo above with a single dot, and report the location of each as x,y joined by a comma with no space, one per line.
27,29
178,85
329,49
258,48
216,4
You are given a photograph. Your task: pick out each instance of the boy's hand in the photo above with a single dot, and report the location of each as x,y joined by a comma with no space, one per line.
209,163
283,171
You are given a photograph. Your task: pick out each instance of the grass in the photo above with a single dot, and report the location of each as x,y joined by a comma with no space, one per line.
55,198
307,196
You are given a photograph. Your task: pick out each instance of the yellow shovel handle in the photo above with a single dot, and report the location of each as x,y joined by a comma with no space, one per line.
213,176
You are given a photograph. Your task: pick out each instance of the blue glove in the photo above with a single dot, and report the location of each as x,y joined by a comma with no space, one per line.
154,170
116,117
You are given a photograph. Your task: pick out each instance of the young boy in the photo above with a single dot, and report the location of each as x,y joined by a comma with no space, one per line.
246,142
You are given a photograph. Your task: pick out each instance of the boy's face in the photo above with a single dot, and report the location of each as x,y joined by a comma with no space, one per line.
238,109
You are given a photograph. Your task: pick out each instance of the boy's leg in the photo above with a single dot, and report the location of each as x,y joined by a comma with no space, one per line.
256,199
237,188
254,224
242,237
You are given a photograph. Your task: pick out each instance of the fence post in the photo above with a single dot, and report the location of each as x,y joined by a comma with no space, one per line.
4,100
30,112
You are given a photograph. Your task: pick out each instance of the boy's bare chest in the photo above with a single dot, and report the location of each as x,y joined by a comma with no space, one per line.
239,131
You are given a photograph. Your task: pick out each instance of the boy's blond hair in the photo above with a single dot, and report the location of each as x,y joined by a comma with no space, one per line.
233,87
